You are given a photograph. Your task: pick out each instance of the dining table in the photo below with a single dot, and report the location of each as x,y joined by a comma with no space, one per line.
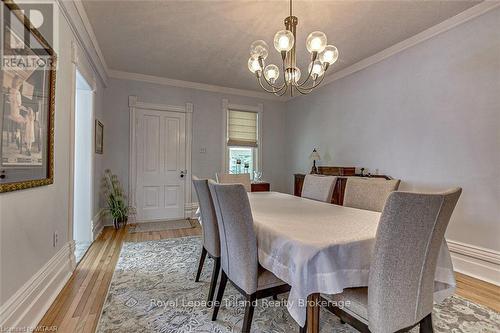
322,248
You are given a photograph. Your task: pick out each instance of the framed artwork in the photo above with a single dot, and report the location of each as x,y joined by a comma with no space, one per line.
99,137
28,81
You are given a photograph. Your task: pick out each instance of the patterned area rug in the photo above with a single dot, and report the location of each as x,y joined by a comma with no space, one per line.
161,225
153,290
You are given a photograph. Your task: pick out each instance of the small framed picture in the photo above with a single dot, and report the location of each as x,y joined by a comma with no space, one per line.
99,137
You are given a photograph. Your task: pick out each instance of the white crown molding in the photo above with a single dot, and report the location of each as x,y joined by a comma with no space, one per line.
122,75
79,23
444,26
475,261
28,305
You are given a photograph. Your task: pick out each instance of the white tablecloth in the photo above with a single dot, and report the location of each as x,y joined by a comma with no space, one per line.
322,248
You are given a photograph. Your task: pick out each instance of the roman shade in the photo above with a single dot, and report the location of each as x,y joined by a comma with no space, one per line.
242,128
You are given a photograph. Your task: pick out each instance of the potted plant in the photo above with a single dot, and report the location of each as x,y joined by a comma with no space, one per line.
116,201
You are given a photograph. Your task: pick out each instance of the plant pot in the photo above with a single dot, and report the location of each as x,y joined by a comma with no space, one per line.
116,222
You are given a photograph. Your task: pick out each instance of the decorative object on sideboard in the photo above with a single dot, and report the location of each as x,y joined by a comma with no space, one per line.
116,201
314,157
322,57
341,172
99,137
28,104
257,176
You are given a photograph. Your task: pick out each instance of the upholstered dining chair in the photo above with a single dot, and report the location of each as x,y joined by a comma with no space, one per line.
229,178
318,187
401,278
368,193
211,241
240,264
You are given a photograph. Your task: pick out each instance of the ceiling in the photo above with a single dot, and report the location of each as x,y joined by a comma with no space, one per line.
208,41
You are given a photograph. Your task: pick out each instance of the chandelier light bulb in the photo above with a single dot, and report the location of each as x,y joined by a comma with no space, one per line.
253,65
316,41
283,41
329,55
259,48
316,69
292,75
271,72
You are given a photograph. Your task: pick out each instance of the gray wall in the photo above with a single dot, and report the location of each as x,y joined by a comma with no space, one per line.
207,128
29,218
429,115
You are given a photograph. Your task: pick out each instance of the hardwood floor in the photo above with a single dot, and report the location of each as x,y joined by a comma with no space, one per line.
78,306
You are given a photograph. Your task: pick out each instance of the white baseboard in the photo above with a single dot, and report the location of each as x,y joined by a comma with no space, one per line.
28,305
480,263
98,223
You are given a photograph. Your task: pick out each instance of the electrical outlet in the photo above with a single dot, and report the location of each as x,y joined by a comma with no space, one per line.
203,150
55,239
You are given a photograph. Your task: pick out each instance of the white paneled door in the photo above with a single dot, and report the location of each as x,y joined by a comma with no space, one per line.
161,164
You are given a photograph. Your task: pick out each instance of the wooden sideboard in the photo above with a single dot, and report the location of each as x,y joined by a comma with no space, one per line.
341,172
261,187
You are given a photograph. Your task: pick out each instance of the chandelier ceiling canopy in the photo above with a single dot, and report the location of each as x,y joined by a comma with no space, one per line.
322,57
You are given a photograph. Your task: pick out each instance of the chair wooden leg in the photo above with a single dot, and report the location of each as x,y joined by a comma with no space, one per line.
220,293
200,265
426,324
247,321
213,283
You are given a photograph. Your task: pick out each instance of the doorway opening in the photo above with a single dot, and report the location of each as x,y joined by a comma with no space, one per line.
83,173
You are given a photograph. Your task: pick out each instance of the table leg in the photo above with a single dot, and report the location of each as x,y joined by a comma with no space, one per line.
313,313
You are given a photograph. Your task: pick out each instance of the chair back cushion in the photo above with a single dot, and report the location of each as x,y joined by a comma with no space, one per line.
238,240
211,240
368,193
318,187
409,238
242,178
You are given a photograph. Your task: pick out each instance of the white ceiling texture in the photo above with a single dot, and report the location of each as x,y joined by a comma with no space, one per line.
208,41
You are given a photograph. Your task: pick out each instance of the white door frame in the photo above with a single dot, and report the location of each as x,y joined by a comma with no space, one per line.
91,80
134,104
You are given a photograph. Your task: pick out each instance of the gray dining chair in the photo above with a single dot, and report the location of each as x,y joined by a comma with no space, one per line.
400,288
237,178
211,241
318,187
239,258
368,193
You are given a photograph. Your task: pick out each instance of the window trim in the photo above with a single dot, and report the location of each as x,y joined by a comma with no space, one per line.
259,109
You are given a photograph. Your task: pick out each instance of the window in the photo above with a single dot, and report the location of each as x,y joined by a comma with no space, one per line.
242,138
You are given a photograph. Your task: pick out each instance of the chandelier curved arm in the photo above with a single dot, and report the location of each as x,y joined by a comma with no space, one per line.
309,71
305,81
304,90
283,92
278,88
273,91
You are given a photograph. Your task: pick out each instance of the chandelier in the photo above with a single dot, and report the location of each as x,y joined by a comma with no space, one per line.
322,57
